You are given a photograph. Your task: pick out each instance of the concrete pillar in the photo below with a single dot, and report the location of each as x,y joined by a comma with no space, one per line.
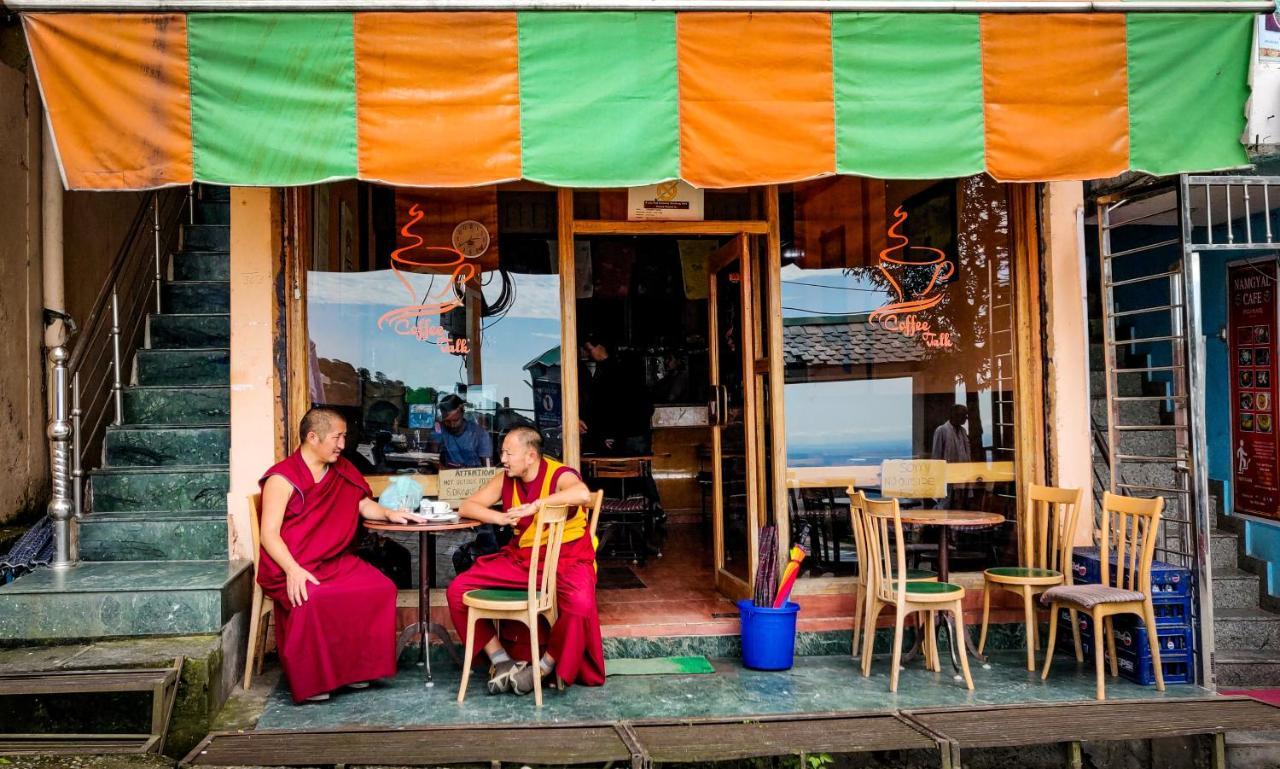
1067,345
255,389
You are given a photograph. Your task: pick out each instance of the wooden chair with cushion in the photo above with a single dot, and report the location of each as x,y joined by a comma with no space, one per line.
262,608
628,512
864,584
523,606
1129,527
1048,529
889,559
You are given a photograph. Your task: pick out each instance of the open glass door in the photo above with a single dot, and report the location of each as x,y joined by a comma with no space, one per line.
734,418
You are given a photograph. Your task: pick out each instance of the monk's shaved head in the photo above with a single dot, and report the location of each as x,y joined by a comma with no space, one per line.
319,420
527,437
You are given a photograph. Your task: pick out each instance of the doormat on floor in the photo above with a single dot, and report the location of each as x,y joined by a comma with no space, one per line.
1269,696
658,666
617,577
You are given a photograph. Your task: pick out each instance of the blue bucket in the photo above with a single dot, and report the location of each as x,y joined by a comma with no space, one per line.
768,635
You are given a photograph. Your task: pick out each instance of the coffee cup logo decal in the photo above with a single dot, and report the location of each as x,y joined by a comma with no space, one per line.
414,319
898,263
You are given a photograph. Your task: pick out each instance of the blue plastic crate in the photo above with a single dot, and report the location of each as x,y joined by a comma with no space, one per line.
1134,667
1129,623
1166,579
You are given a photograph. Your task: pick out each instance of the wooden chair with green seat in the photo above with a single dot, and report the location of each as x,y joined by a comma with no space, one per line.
863,587
889,558
1129,528
262,607
524,606
1048,531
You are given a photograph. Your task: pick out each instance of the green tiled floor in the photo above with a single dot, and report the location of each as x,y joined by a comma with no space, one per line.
816,684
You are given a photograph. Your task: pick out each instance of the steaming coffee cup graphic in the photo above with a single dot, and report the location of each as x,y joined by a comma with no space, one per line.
410,319
905,267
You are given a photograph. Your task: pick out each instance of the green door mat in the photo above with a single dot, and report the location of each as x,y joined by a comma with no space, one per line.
659,666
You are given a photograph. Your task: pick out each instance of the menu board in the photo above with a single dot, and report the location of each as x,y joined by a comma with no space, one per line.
1251,325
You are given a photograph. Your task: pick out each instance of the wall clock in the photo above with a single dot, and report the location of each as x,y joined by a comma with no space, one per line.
471,238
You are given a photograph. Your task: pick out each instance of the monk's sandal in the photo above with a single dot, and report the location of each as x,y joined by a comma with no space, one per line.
500,675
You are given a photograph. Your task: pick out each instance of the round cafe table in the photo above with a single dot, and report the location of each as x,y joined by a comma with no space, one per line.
426,549
947,520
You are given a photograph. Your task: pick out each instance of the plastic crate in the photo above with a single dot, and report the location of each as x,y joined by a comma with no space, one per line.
1129,623
1166,579
1177,666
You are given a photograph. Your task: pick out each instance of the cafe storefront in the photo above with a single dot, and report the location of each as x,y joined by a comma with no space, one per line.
812,237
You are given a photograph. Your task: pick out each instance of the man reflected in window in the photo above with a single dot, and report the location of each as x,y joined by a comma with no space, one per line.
463,443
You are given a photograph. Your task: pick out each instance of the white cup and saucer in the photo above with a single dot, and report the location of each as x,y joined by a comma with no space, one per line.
436,511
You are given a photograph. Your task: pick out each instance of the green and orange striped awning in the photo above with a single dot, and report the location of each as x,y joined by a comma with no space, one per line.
613,99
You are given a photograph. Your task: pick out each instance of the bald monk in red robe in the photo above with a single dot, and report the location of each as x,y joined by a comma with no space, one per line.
574,651
335,614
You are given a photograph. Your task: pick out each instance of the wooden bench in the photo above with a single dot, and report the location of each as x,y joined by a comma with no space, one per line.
161,682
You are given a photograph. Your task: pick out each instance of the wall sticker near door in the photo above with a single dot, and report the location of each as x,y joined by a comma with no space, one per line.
917,276
424,318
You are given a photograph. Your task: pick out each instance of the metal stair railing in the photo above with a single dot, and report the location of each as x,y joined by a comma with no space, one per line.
87,390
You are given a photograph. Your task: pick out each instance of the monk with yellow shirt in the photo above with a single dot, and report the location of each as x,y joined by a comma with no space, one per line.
575,651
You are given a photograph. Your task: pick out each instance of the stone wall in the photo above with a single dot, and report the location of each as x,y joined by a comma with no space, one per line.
24,461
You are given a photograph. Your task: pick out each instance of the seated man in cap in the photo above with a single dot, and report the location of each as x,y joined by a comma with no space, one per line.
463,443
575,650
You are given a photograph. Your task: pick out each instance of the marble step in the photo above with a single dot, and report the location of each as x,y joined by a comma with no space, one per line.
150,537
1253,750
197,296
1243,668
184,367
1246,629
1224,550
209,675
213,212
1234,589
137,489
1131,412
104,599
153,446
201,265
177,405
1130,384
206,237
189,330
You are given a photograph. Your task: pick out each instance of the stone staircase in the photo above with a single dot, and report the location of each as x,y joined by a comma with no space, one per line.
154,540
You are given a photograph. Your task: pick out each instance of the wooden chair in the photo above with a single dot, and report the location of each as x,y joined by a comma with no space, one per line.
597,500
263,607
625,510
889,559
521,605
864,586
1129,527
1048,529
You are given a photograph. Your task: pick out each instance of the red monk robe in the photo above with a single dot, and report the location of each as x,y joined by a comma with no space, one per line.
345,632
575,643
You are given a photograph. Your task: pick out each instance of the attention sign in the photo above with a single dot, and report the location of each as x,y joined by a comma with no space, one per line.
1251,324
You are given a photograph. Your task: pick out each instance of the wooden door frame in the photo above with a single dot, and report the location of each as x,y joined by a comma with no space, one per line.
771,510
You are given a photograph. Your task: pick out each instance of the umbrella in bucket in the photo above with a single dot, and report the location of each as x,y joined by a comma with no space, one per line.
789,574
767,571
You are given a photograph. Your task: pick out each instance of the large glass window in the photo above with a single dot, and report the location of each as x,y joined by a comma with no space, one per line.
421,302
899,347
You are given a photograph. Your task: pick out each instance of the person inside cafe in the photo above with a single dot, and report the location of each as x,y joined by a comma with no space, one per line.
574,650
335,614
463,443
616,405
